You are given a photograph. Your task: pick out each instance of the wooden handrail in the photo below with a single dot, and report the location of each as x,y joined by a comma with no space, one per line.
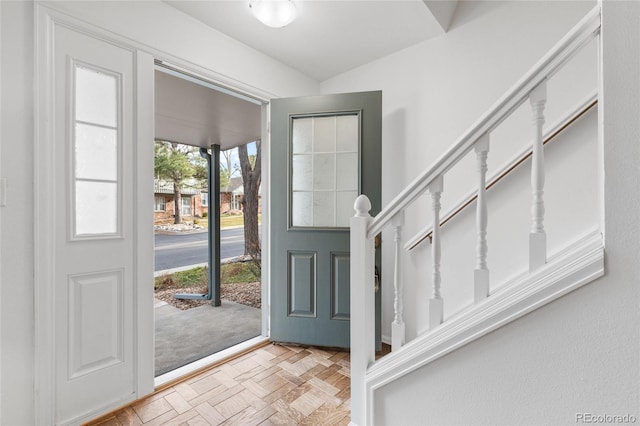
576,114
565,49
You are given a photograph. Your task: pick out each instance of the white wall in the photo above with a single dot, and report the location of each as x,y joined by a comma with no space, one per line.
167,32
579,353
148,23
434,91
16,226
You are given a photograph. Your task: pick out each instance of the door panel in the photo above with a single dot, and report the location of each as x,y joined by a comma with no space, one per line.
97,310
301,284
325,151
340,289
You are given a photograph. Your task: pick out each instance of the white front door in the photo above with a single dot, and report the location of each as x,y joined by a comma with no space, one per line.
100,150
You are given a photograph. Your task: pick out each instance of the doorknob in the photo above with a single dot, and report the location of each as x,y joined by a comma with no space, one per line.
376,285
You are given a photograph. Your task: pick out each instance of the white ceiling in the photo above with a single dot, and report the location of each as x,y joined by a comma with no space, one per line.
328,37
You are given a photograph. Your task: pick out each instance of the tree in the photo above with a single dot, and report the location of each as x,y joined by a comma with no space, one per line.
177,164
227,168
251,177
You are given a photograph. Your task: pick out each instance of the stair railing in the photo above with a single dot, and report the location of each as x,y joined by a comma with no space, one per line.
364,228
565,122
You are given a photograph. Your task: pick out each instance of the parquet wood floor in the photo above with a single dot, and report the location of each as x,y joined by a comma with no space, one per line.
272,385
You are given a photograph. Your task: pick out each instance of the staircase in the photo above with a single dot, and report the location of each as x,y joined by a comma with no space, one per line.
545,277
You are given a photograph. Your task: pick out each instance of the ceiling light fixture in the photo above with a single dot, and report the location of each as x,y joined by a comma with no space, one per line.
273,13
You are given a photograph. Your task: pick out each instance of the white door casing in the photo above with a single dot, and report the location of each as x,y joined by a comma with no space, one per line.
94,245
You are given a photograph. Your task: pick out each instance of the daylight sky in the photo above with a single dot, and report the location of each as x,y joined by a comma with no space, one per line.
251,149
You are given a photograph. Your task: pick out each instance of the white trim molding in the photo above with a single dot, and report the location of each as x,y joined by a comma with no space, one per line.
578,264
44,360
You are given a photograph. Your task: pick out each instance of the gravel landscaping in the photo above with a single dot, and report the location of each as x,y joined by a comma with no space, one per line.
245,293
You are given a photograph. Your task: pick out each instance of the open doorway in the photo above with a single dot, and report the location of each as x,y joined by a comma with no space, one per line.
207,177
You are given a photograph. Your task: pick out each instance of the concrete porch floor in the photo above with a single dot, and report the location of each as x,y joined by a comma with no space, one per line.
182,337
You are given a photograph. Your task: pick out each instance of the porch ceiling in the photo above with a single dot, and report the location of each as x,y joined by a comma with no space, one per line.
195,113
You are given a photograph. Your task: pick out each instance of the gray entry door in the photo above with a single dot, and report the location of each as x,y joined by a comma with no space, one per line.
325,151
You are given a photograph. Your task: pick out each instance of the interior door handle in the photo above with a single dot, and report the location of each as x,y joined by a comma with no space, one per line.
376,285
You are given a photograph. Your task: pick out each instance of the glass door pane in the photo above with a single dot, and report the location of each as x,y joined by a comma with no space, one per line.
96,153
324,170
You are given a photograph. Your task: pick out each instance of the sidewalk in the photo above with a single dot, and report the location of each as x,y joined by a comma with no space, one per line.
192,231
199,265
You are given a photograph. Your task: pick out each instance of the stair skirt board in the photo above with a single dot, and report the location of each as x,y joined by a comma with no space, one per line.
578,264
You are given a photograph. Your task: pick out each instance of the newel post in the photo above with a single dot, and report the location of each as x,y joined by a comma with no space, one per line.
537,235
362,308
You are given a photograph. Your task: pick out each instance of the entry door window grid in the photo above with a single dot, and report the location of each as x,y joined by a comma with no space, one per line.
96,152
324,181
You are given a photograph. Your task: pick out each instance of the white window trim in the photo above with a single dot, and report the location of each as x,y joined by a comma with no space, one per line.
164,204
182,206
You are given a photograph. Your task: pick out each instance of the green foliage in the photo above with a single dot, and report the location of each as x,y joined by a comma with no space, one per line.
171,162
178,163
200,169
230,273
227,220
231,220
238,272
192,277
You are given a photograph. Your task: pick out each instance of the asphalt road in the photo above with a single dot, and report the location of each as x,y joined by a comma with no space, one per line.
174,251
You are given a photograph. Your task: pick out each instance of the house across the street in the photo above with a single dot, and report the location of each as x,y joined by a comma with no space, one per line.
231,196
194,201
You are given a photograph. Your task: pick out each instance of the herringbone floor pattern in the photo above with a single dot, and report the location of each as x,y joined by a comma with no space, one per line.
273,385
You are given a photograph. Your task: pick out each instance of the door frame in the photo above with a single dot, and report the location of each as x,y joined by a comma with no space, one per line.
46,18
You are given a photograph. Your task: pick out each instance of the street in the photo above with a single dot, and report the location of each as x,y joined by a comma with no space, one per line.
173,251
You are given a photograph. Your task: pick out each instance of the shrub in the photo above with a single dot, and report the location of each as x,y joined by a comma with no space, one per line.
165,281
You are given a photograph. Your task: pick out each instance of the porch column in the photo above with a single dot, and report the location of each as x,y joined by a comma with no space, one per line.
213,182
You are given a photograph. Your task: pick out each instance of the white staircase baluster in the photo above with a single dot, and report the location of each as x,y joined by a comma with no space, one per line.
397,327
436,310
537,236
362,308
481,273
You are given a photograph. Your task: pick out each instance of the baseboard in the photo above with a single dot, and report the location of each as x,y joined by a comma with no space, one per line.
386,339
